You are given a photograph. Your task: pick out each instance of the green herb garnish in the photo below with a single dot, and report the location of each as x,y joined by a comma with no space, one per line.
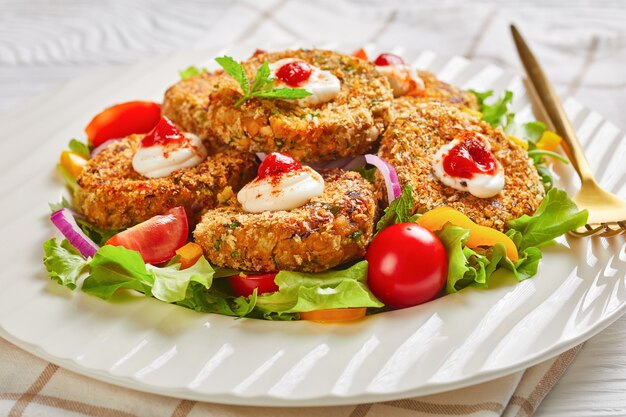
262,85
191,71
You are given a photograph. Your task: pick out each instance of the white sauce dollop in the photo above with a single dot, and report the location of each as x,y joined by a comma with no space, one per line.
285,192
480,185
159,161
402,78
322,85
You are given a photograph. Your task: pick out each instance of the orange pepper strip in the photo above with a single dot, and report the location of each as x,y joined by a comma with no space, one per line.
73,163
549,141
334,315
479,235
360,53
189,254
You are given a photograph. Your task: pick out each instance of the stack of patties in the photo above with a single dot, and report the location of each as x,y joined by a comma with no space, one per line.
345,115
292,217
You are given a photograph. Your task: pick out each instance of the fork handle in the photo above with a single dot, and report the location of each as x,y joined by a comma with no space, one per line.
550,102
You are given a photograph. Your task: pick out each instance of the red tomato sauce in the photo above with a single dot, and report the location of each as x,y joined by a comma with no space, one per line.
164,133
471,156
276,164
294,73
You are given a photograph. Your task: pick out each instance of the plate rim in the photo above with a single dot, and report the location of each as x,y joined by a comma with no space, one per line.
267,400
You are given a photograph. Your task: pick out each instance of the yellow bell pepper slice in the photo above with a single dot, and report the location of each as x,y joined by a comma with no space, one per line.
189,254
472,112
518,141
73,163
549,141
479,235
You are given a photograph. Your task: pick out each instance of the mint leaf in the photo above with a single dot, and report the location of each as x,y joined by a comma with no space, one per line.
190,71
235,70
64,263
80,148
262,80
262,86
557,214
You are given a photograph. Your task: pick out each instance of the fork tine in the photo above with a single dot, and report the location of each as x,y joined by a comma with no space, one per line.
610,231
601,230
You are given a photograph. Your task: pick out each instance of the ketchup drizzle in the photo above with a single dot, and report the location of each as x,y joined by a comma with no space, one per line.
276,164
164,133
471,156
294,73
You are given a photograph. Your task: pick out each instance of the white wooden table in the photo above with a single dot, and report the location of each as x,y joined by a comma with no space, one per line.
43,44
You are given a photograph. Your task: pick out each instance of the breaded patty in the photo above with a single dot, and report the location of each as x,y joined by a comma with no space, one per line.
113,195
328,230
186,103
409,144
347,125
434,90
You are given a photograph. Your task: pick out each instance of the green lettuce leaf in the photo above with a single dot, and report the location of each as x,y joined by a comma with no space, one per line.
557,214
171,283
190,71
64,263
496,113
113,268
399,211
80,148
205,300
301,291
468,267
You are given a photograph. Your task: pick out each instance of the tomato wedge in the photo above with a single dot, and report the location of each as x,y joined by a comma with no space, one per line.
244,285
122,120
157,238
361,54
332,315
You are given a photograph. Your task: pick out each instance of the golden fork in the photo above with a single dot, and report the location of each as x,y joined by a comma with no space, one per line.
607,212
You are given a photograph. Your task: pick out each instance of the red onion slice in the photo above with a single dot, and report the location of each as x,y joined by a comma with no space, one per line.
65,222
389,175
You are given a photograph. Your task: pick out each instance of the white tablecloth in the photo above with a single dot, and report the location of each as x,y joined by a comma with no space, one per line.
581,44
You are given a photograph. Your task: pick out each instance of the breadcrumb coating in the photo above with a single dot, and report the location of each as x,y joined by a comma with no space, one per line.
331,229
112,194
410,143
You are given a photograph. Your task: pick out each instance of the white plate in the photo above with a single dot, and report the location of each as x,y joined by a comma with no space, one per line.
455,341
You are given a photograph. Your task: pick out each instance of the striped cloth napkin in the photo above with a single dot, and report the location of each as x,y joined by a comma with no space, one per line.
30,386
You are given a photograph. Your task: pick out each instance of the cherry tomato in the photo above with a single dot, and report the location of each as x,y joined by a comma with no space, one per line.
388,59
334,314
245,285
407,265
294,73
277,163
157,238
122,120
